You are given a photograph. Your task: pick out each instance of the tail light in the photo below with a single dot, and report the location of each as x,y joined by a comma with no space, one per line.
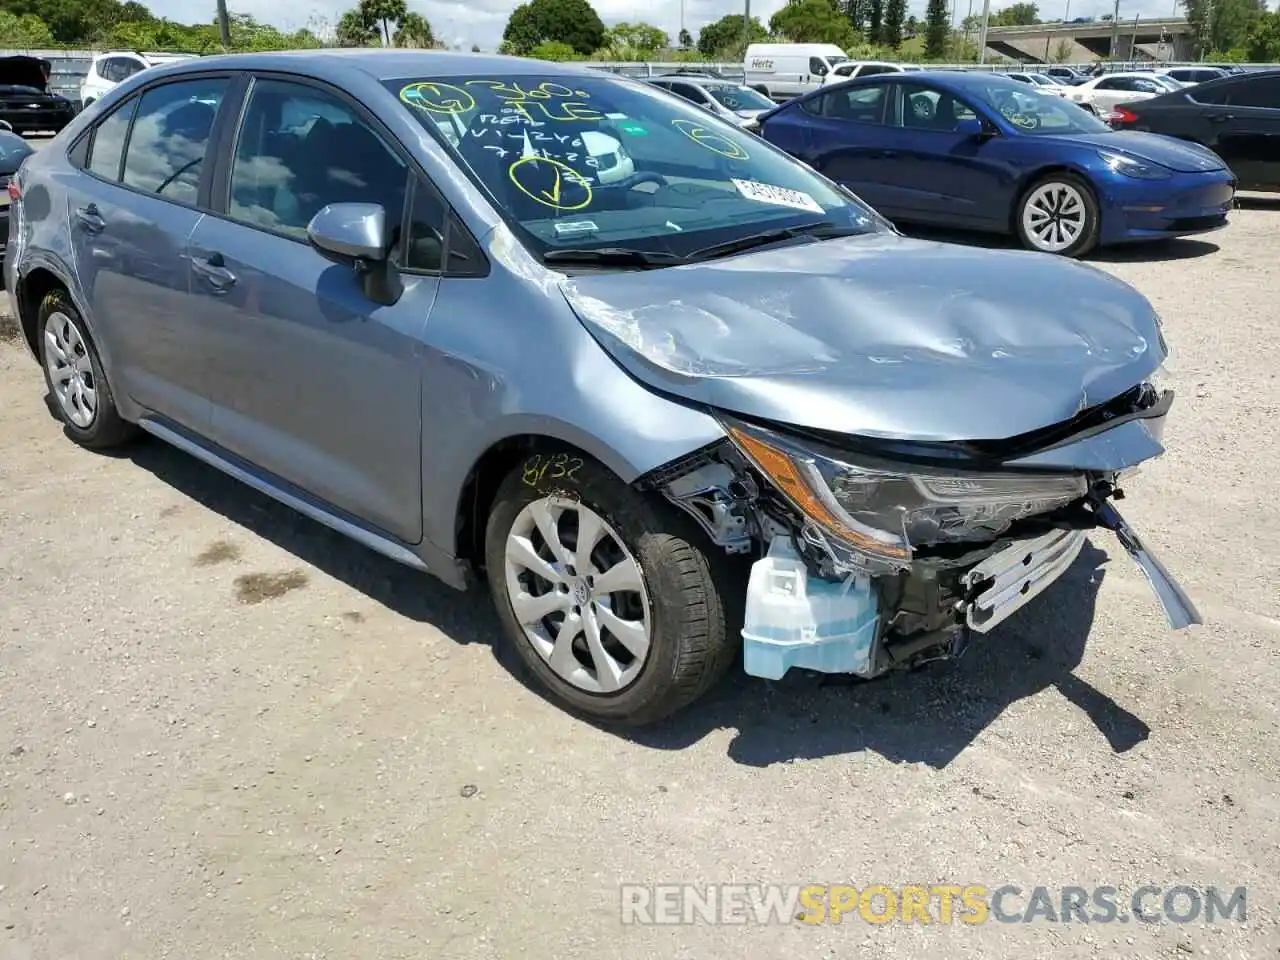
14,193
1119,115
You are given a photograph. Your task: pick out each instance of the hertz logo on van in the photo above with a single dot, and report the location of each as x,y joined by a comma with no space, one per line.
760,63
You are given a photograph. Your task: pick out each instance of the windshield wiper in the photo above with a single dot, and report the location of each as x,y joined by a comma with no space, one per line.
621,256
822,230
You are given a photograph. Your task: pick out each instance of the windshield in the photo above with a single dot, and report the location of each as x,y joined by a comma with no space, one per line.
1034,112
584,162
1044,81
734,97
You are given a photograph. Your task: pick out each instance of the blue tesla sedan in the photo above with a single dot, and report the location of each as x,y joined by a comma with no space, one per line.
982,152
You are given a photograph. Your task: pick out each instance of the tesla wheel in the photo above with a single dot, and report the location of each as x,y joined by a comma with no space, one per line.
609,598
1058,214
73,373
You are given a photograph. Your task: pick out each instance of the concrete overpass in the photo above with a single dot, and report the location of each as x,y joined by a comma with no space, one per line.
1162,39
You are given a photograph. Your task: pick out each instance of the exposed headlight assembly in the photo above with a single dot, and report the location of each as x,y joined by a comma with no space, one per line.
1133,167
882,513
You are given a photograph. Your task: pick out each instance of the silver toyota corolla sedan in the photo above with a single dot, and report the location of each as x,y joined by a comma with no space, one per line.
502,316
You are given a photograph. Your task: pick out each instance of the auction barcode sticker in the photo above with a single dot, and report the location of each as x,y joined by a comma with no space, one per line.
778,196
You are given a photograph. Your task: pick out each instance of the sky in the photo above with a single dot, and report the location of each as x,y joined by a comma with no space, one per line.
467,22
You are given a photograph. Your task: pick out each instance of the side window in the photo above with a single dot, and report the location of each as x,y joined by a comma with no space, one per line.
925,109
132,66
874,69
107,148
1110,83
817,66
845,70
171,136
1147,86
859,104
1256,92
689,92
300,148
117,69
425,237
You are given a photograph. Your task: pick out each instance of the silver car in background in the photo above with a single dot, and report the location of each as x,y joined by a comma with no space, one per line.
728,100
395,291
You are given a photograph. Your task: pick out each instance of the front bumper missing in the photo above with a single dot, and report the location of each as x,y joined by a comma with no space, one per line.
1007,581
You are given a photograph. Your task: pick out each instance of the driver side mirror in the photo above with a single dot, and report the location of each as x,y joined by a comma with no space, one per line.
356,234
971,127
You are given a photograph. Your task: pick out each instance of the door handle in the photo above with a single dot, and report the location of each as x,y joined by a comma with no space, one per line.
90,219
214,271
887,154
1220,117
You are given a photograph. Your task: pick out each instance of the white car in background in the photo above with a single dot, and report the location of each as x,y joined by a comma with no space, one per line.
1042,82
1101,94
1190,76
109,69
866,68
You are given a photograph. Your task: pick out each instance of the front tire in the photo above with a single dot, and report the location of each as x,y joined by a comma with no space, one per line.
626,628
73,373
1058,214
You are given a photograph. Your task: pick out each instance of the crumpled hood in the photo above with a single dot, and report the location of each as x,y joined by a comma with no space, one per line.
879,336
1180,155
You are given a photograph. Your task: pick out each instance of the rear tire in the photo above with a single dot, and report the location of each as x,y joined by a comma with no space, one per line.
633,650
81,397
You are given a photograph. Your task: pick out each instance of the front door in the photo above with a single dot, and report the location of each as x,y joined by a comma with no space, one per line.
130,219
314,382
937,174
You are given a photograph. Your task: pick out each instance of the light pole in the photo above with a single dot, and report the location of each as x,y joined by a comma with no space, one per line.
224,24
982,40
1115,30
746,26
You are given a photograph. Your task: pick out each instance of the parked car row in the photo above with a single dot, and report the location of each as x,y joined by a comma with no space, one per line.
985,152
398,292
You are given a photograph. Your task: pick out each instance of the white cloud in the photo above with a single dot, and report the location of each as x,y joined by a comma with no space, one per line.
482,21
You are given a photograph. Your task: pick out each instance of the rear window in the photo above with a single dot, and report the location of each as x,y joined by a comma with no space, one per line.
13,150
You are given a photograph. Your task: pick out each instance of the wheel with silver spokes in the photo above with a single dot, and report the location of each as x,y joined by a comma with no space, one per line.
610,597
578,594
66,360
73,373
1058,215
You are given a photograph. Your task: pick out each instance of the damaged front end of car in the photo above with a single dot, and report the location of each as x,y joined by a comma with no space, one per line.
874,555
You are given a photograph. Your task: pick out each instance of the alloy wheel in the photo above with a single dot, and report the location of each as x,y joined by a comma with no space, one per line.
1054,216
66,357
578,594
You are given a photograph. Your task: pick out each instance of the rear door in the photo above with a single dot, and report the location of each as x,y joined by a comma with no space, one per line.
313,382
845,138
1246,124
131,213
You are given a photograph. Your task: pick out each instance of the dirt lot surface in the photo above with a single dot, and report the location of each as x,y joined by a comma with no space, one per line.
228,733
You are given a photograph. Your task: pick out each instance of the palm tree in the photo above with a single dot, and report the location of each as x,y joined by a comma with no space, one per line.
384,12
415,31
354,30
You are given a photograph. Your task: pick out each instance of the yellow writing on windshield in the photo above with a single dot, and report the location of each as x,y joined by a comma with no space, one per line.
715,142
546,90
546,101
552,183
437,97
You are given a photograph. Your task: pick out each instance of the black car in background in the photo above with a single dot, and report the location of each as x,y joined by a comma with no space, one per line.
1237,117
25,101
13,150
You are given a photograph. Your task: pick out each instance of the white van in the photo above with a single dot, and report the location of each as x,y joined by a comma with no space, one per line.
784,70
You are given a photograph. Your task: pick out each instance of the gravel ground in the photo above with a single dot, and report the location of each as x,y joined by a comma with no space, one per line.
225,732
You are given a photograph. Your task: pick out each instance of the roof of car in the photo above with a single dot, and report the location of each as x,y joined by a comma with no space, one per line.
381,64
